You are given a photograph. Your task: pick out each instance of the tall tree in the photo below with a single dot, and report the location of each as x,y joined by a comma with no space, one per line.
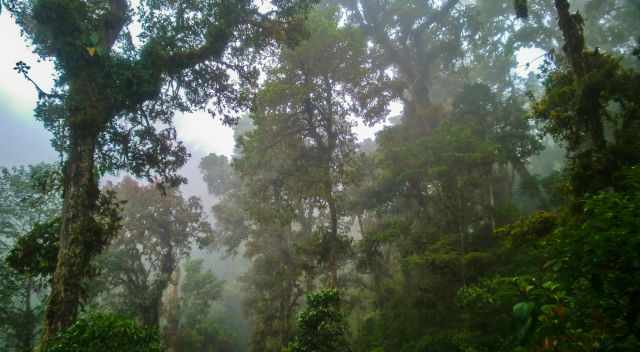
159,230
576,109
586,295
112,96
259,218
197,330
286,205
421,42
307,106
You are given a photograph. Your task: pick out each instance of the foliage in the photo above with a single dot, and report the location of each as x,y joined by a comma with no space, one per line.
114,102
447,233
158,231
288,204
576,288
100,332
145,84
217,173
29,196
595,159
198,328
585,296
525,231
321,326
35,254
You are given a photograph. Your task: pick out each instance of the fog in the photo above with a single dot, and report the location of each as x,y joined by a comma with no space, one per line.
319,175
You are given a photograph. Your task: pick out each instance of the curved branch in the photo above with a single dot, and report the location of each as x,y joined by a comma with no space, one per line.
114,22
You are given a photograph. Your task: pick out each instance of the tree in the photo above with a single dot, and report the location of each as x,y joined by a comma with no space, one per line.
586,296
217,174
265,229
286,206
159,230
111,97
306,108
29,199
435,47
576,109
414,53
321,326
198,329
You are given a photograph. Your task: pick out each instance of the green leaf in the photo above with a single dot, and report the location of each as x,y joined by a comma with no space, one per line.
523,310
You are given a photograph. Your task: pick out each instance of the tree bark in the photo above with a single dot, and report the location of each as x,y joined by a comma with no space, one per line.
79,230
332,142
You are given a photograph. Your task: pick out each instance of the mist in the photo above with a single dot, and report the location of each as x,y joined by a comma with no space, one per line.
319,175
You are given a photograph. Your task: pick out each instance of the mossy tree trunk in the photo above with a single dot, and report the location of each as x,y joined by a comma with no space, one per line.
79,227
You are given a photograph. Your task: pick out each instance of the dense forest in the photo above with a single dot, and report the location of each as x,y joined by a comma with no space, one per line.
496,209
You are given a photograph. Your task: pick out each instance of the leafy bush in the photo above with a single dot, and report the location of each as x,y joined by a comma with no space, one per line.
100,332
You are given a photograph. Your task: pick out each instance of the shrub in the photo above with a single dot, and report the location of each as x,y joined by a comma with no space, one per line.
100,332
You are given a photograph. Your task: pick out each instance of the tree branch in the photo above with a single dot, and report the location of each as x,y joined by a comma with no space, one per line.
114,22
571,26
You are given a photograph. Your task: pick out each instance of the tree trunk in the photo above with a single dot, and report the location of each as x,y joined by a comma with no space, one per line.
151,316
332,142
333,261
571,27
173,312
461,223
25,337
78,234
574,47
150,312
492,206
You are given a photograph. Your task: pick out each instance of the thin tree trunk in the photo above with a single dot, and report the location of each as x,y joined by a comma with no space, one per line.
333,264
571,27
78,234
25,338
283,320
173,310
492,205
461,231
332,140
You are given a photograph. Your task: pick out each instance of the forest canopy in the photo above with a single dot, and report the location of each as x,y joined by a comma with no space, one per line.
412,176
